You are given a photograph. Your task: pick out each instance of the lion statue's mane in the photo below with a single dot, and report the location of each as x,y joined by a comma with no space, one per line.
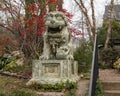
57,37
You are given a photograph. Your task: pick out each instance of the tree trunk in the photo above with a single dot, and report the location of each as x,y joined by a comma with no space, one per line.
42,6
93,20
108,35
91,24
57,5
25,49
109,24
52,6
60,2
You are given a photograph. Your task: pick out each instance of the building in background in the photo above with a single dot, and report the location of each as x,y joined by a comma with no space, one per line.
115,39
115,13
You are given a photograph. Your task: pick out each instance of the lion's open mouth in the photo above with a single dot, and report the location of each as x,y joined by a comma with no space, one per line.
54,30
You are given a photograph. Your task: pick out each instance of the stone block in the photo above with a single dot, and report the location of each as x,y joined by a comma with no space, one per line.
54,71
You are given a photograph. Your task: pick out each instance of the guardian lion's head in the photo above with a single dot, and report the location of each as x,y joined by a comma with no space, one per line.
55,21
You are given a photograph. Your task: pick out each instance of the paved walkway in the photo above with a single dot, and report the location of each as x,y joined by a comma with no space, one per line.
82,87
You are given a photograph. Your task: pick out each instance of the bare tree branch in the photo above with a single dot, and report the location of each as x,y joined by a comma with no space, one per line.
90,23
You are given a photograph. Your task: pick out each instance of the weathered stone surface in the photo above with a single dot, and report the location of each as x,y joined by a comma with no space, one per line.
57,38
54,71
56,63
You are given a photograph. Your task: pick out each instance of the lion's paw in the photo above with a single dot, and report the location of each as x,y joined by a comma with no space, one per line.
70,57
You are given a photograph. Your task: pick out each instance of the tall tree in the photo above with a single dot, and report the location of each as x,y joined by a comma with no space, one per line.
27,28
27,4
90,21
110,10
42,6
60,2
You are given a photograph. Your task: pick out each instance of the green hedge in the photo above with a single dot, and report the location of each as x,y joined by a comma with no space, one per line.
108,56
83,55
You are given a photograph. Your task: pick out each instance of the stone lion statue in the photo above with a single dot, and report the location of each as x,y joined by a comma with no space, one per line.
57,37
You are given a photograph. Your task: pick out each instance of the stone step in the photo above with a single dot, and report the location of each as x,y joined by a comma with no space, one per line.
111,85
112,93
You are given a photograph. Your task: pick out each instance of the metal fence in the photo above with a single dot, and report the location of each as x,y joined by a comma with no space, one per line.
94,70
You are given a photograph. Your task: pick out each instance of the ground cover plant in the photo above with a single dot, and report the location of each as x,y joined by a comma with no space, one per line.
10,86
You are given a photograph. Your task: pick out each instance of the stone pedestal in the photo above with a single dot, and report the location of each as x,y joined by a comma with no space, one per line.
54,71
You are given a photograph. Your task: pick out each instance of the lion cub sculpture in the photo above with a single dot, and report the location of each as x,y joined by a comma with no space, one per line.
56,38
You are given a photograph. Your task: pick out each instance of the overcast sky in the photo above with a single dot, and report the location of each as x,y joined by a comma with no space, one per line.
99,8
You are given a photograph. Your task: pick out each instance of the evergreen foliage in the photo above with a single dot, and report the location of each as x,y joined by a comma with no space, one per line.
83,55
6,62
102,32
108,56
98,91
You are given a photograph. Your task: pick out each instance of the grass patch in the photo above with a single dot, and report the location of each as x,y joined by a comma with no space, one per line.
10,86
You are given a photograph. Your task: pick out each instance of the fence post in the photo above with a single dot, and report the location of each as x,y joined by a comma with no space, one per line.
94,71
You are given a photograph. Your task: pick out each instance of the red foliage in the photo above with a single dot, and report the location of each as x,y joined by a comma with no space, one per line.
68,14
7,41
32,7
37,21
23,32
28,29
75,32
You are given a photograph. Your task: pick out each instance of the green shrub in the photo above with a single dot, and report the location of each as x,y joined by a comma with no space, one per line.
98,91
6,62
15,69
108,57
71,92
116,65
102,32
83,55
54,87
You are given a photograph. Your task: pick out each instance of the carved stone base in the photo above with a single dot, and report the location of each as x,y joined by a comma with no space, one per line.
54,71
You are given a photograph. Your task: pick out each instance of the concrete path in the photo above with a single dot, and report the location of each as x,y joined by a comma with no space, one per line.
82,87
